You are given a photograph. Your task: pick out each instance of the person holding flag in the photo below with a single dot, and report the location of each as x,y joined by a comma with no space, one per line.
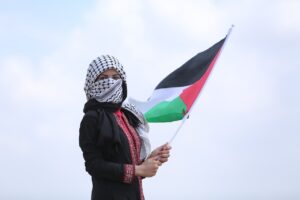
113,135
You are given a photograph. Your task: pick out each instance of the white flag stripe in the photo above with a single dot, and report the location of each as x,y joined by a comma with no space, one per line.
159,95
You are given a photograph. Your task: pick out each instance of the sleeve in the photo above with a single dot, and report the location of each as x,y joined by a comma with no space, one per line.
95,165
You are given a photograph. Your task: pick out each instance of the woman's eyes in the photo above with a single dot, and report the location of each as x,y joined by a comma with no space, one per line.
105,77
116,77
101,77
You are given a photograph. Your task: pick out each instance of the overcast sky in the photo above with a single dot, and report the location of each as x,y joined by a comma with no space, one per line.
242,140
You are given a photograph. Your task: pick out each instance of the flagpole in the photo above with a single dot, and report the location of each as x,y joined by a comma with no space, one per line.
188,114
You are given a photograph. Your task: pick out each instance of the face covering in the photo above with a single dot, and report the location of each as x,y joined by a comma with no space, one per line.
107,90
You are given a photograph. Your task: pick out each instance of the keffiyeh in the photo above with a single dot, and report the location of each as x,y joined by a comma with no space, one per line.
107,90
142,130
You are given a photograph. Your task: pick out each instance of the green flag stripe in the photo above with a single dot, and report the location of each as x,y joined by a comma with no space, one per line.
167,111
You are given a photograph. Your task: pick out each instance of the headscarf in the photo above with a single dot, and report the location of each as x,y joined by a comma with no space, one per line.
107,90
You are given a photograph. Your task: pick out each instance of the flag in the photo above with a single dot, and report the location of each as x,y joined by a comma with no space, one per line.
174,96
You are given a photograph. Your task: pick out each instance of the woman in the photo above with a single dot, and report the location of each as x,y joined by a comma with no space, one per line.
113,135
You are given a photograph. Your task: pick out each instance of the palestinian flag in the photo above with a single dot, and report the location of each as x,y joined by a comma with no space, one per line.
174,96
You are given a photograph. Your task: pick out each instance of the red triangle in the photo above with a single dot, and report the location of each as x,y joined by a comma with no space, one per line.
190,93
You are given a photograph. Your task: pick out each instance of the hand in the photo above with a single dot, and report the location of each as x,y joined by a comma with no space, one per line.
163,153
148,168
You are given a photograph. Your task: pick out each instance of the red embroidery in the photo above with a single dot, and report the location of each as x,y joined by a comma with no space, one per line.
136,139
137,143
135,149
129,171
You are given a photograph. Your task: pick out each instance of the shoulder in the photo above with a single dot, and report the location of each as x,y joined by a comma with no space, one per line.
99,116
90,117
132,110
91,114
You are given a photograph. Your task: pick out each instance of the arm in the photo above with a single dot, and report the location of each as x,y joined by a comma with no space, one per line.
95,165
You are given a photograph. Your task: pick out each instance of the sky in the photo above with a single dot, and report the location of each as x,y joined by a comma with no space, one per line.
242,139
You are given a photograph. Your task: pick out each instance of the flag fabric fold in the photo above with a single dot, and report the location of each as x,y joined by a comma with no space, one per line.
174,96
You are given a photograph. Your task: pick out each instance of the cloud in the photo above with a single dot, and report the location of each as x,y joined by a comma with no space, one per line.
287,16
24,84
196,19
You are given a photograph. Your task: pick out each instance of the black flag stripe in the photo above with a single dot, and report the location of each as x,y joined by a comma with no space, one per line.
193,69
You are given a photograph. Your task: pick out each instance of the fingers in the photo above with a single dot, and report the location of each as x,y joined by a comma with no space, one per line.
167,147
156,161
151,166
161,159
161,154
163,149
155,158
164,154
164,158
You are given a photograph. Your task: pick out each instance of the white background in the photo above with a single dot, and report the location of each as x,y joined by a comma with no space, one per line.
242,139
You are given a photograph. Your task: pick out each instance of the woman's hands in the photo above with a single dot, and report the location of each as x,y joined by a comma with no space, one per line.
162,152
148,168
157,157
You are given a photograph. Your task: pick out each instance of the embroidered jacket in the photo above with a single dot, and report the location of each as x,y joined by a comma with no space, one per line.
111,149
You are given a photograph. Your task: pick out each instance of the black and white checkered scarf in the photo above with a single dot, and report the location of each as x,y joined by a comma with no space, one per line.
107,90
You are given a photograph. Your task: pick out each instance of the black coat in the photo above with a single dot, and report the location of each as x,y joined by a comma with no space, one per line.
106,151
